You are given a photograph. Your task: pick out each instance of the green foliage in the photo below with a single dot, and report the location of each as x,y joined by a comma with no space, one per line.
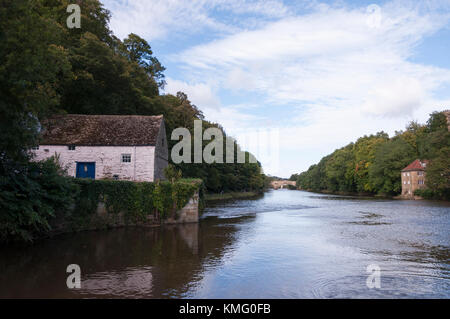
30,196
390,159
226,177
428,193
135,200
93,72
139,51
373,163
172,173
32,70
47,68
437,122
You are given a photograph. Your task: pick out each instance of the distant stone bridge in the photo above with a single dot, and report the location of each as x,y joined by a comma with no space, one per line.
281,184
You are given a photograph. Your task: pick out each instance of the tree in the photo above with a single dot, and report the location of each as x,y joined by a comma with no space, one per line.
32,69
139,51
364,151
390,159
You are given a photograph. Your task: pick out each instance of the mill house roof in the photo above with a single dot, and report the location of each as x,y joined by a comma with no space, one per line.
417,165
101,130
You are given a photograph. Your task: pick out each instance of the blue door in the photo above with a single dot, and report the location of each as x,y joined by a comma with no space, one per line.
86,170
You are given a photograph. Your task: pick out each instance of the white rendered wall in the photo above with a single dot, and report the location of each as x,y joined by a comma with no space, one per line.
108,160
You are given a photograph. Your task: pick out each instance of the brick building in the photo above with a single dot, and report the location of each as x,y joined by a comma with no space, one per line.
124,147
413,178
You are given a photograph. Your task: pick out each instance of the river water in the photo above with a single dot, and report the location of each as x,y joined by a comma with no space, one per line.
285,244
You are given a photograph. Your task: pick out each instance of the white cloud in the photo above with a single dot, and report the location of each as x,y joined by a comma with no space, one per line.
396,97
203,95
200,94
156,19
341,71
328,55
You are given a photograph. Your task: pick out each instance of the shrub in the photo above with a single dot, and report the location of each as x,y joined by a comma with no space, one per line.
30,195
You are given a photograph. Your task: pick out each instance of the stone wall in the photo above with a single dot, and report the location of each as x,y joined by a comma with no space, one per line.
103,220
108,160
161,153
189,213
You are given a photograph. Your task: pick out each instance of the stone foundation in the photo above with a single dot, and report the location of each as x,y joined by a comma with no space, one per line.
103,220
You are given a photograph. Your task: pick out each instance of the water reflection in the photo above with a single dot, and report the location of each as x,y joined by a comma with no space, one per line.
286,244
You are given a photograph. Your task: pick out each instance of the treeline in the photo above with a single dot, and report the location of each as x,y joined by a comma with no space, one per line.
46,69
373,163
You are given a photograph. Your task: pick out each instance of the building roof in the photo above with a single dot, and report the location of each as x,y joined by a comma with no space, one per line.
417,165
101,130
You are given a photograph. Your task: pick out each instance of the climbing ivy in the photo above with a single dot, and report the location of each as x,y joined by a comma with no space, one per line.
135,200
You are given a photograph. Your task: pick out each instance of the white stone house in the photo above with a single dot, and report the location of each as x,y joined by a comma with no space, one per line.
121,147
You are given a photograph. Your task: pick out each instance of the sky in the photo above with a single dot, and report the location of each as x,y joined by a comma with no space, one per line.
305,77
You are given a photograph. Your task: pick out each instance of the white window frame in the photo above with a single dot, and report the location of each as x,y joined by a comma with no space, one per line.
126,158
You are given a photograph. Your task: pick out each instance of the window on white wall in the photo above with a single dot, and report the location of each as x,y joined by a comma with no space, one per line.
71,147
126,158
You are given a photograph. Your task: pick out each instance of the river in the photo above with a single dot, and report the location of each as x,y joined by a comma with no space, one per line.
285,244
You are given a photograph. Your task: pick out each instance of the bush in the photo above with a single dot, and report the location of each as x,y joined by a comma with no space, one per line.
30,195
33,194
433,194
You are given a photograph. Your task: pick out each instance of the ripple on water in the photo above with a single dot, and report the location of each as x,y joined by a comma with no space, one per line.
127,283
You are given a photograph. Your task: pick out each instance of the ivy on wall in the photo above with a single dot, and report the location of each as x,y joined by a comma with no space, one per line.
136,201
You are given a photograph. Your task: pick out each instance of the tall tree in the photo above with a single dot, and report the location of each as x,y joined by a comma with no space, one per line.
138,50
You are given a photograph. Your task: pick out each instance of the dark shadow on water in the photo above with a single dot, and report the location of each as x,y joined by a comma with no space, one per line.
127,263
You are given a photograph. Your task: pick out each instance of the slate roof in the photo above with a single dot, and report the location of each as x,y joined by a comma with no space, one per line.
417,165
101,130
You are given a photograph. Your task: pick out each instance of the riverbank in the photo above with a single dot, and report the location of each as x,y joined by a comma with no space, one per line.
231,195
360,195
104,204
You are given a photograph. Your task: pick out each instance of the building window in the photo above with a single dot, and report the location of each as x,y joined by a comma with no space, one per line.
408,174
35,148
409,182
71,147
421,182
116,177
420,173
126,158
